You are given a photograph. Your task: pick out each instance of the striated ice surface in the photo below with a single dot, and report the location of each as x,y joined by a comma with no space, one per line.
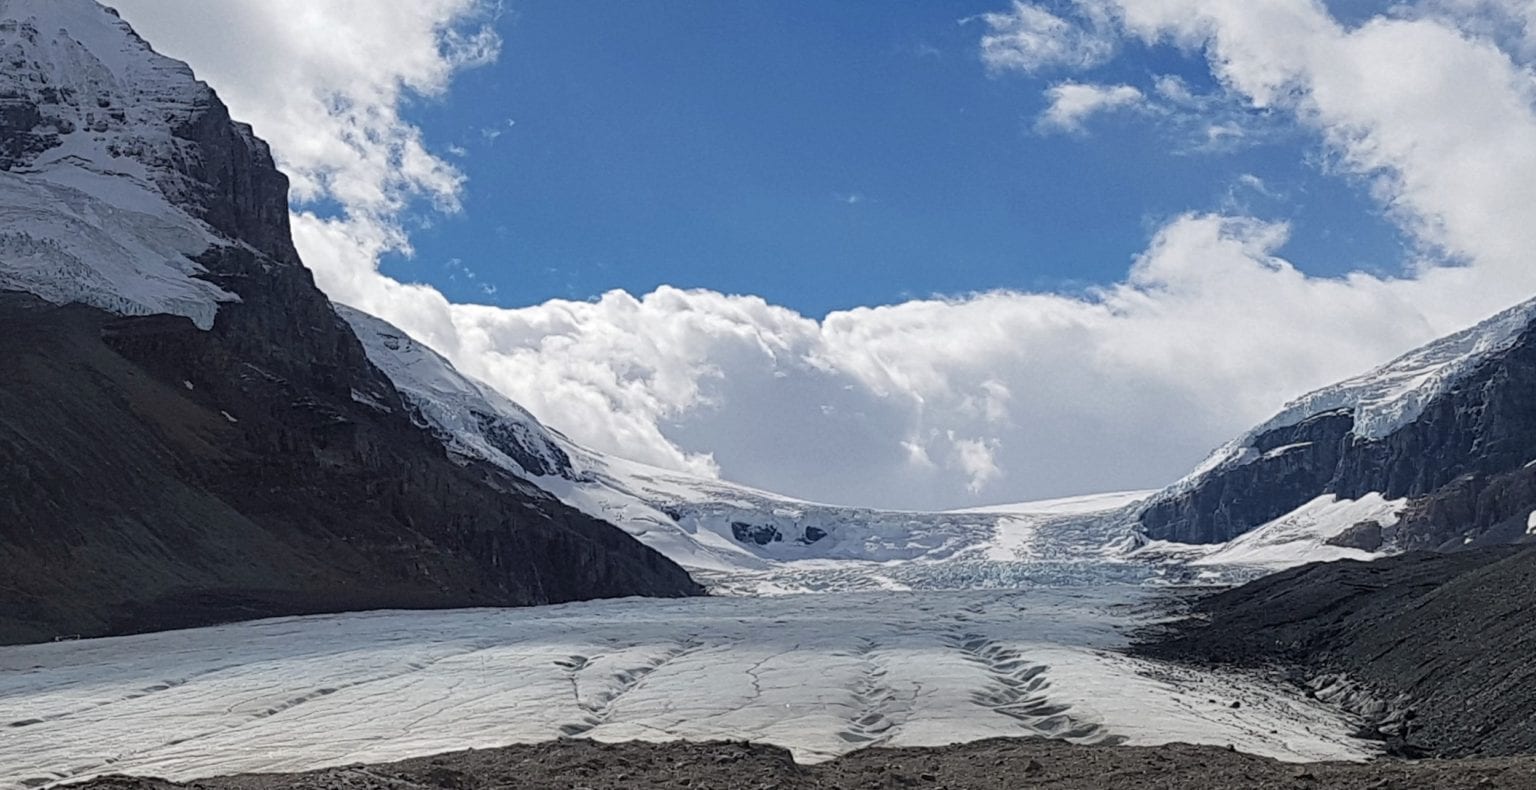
819,674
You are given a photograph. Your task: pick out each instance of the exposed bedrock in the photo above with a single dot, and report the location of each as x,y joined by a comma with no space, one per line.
153,475
157,475
1463,460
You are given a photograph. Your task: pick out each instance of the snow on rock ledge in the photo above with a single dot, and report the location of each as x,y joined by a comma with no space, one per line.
117,167
712,524
1385,399
1314,532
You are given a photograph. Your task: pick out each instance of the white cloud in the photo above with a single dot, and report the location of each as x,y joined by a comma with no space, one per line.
1173,88
1441,122
1214,122
977,458
1072,103
325,84
1510,23
946,402
1030,38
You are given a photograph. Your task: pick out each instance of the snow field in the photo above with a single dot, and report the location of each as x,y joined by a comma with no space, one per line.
818,674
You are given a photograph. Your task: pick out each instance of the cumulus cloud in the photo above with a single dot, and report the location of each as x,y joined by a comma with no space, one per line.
325,84
1511,23
1072,103
1440,121
943,402
946,401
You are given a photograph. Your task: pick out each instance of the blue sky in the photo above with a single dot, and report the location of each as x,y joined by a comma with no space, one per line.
829,155
788,160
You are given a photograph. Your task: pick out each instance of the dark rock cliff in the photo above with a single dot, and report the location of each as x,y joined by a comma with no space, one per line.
155,475
1462,461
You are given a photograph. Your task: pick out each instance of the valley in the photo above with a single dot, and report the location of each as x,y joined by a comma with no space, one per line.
820,675
253,537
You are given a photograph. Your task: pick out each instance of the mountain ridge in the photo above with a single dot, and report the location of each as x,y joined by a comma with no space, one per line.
190,434
1441,427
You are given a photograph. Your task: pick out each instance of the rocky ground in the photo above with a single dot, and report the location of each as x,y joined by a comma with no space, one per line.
1023,763
1436,650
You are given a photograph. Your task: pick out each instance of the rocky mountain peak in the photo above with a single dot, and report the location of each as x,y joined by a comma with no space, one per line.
157,472
1450,425
120,167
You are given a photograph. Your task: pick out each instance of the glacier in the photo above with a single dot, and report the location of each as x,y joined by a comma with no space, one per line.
746,541
818,674
831,628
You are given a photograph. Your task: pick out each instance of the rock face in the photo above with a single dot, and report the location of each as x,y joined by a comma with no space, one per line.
1462,460
242,458
1365,536
79,83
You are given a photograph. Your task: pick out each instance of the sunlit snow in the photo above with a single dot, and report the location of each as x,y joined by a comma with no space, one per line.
92,217
1382,400
819,674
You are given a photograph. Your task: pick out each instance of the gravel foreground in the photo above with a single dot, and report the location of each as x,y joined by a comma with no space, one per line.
984,765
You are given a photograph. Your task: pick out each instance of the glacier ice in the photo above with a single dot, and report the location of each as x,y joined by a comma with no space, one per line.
818,674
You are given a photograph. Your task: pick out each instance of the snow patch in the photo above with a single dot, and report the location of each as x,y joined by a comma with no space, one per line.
1090,503
1279,451
1298,537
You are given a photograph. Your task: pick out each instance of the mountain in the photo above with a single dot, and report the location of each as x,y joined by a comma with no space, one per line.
714,525
1447,433
191,432
1439,458
1430,450
188,431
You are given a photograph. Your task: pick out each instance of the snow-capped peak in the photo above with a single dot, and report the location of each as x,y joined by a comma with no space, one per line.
714,525
99,98
99,193
1385,399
